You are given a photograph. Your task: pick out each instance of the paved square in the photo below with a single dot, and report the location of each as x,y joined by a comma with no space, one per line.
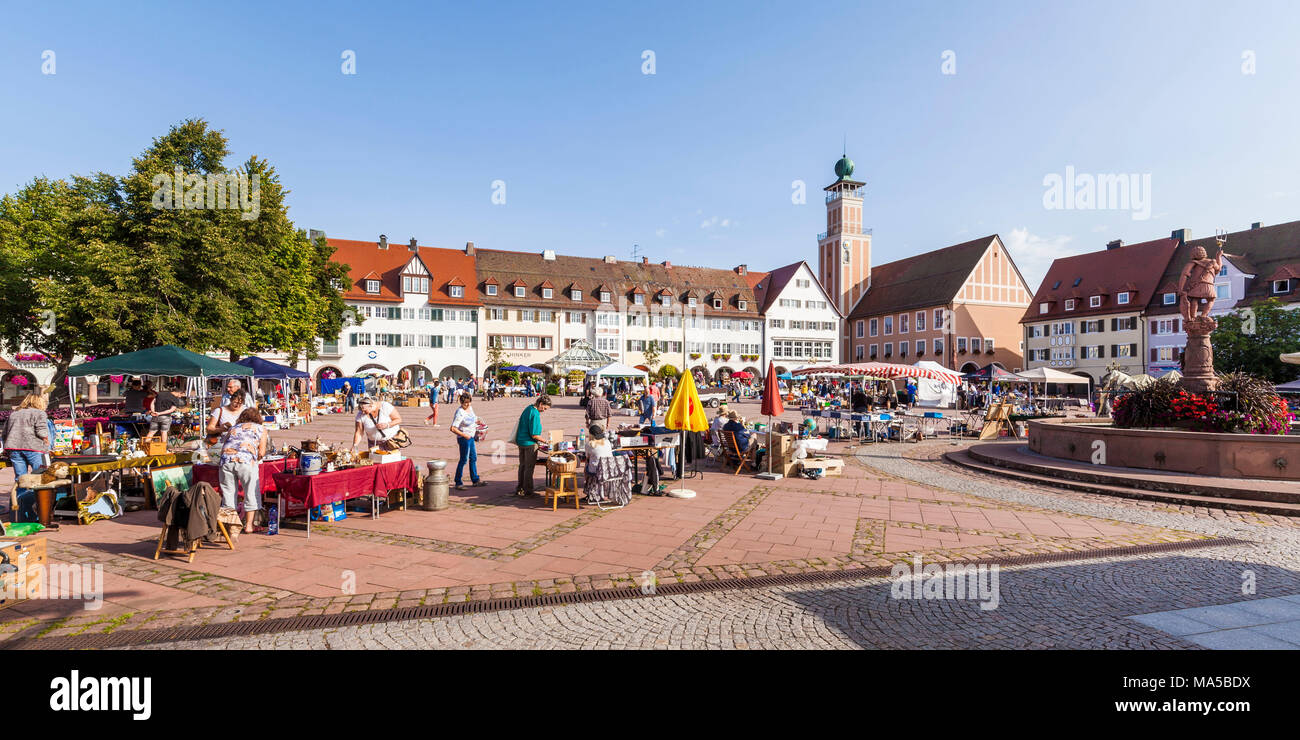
490,543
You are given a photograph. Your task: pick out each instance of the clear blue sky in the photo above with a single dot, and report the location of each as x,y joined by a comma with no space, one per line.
694,163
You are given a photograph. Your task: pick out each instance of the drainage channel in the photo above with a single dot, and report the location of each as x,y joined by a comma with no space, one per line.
130,638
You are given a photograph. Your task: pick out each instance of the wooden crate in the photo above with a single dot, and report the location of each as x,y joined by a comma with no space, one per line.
29,555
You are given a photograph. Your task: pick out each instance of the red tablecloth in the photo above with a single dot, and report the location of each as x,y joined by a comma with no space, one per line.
265,472
341,485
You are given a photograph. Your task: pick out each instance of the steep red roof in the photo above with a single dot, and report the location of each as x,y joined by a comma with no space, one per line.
927,279
1135,268
1260,252
592,275
445,266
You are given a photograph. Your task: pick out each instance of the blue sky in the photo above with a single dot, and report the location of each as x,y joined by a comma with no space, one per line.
695,163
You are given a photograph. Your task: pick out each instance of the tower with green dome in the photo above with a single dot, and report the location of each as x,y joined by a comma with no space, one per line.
844,249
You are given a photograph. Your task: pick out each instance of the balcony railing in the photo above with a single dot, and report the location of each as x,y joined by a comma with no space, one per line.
850,232
835,195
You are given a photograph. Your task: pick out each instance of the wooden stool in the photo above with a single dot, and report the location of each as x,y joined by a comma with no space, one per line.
193,546
559,485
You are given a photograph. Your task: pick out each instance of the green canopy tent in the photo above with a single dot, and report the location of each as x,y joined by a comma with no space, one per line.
167,360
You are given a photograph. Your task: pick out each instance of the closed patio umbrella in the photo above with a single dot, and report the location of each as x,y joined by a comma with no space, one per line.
772,406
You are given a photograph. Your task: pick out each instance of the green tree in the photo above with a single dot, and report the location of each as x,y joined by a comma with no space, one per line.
496,357
100,264
651,354
1250,340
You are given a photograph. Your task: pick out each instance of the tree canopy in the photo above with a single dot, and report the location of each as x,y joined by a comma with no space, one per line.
181,250
1250,340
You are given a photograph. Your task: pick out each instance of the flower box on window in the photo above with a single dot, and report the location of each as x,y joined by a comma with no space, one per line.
695,355
989,351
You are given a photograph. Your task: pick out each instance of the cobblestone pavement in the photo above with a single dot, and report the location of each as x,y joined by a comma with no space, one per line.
1082,605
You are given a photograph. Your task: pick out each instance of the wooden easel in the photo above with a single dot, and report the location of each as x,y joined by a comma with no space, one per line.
999,414
193,546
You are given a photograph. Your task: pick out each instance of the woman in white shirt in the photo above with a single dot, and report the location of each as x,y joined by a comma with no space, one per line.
376,421
225,417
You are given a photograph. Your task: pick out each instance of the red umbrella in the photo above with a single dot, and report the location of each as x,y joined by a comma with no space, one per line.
772,406
744,374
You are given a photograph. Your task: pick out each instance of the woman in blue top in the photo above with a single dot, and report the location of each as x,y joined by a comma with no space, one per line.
528,437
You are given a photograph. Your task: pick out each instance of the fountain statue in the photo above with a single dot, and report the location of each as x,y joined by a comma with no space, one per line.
1197,288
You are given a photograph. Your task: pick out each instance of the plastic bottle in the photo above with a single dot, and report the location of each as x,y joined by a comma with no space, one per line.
272,520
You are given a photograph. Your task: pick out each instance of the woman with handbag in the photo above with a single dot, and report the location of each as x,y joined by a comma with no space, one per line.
464,424
379,423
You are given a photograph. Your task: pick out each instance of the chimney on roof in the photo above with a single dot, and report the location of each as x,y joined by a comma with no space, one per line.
1114,244
609,260
548,254
1182,235
1254,225
469,247
415,247
383,241
741,269
668,264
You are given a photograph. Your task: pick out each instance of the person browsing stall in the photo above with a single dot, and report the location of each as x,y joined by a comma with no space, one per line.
528,436
244,446
225,417
464,424
377,421
598,409
26,438
164,405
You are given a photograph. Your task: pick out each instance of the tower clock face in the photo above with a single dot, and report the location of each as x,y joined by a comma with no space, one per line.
844,254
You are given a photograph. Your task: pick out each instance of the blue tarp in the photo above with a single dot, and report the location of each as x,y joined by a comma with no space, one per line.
267,369
329,385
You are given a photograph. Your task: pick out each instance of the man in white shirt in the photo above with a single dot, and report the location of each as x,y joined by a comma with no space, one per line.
464,424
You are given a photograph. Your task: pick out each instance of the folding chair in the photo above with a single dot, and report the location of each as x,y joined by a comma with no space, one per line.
731,453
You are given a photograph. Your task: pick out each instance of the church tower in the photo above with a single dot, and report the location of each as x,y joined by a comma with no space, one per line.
844,250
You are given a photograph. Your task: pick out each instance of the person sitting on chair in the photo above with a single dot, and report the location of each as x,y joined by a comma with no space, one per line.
745,439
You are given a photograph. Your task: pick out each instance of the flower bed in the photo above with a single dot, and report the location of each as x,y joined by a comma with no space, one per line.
1243,405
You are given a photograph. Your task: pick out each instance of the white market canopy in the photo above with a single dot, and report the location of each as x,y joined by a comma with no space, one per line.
953,378
1291,387
618,370
1048,375
1291,358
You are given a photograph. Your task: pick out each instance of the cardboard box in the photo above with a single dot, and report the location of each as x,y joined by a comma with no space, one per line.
28,555
154,447
828,465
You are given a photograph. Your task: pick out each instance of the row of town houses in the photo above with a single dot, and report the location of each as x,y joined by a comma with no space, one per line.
440,312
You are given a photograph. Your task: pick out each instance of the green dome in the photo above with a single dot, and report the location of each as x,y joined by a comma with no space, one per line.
844,167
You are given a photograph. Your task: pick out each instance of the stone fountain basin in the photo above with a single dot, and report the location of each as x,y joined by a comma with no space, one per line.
1262,456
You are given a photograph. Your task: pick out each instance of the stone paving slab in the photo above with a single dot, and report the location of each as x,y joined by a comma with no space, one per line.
1256,624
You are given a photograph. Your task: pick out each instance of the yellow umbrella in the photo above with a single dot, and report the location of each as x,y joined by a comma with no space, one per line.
687,414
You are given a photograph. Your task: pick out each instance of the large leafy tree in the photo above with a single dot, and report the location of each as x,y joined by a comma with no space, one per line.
99,265
62,270
1250,341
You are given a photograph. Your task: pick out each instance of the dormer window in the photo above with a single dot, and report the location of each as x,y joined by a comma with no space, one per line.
1094,302
575,294
520,291
741,305
638,300
604,296
1122,298
691,301
491,289
1169,299
457,291
1077,281
1044,307
372,286
1069,304
413,284
1282,286
665,300
547,293
717,303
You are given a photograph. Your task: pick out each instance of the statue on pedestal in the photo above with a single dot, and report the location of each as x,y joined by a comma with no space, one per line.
1197,298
